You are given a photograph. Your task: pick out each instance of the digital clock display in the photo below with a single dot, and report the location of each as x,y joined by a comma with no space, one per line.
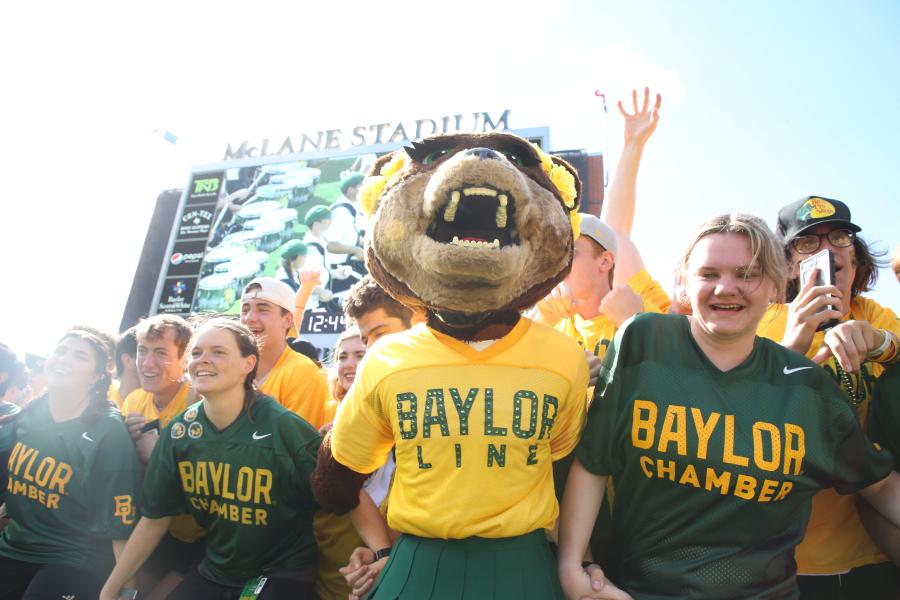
323,322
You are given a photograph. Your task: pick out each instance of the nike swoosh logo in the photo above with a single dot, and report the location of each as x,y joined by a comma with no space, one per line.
256,435
85,436
789,371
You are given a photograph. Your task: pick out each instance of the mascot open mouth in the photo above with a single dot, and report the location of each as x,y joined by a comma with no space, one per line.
476,216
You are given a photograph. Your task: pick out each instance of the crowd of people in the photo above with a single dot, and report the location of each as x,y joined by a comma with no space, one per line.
737,440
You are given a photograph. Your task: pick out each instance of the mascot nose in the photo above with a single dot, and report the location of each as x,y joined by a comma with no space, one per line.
483,153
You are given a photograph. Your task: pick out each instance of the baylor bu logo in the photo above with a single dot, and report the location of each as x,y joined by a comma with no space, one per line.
124,509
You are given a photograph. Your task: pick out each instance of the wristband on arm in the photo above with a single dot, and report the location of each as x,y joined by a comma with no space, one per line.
383,553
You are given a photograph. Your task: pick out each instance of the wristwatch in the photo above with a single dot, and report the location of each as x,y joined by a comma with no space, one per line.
383,553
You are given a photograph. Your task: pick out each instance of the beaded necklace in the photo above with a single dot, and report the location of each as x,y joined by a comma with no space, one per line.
853,394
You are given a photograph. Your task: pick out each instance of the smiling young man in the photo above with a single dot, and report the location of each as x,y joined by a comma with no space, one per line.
163,392
837,559
163,395
294,380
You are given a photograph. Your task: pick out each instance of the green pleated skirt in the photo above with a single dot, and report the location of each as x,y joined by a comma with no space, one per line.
514,568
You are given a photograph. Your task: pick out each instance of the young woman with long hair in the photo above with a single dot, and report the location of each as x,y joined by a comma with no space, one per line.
73,475
239,462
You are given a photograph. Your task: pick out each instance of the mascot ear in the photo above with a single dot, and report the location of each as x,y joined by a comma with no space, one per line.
565,178
373,185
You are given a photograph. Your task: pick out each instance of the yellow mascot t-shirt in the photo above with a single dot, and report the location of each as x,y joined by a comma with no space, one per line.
474,429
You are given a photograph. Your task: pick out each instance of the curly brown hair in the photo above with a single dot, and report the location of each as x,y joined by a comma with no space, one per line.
367,296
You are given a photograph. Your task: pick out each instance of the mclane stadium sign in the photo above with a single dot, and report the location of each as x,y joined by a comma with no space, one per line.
366,135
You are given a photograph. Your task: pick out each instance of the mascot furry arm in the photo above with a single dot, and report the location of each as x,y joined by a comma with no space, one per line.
469,229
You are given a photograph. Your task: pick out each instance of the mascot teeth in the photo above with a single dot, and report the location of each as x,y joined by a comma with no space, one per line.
501,212
476,216
475,243
479,191
450,211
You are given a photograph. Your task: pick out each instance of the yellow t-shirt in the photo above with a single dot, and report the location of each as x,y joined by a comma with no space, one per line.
835,539
336,539
596,334
114,395
184,527
298,384
650,291
141,402
475,431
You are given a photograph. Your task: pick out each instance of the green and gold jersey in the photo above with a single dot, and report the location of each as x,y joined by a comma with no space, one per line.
884,420
475,431
71,486
715,471
247,486
835,539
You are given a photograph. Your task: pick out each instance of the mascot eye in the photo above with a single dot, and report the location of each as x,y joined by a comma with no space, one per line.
514,157
435,156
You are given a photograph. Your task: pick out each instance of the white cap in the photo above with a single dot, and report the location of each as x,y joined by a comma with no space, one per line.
598,231
271,290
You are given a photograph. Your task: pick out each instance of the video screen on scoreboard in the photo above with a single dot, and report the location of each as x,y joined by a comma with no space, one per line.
274,219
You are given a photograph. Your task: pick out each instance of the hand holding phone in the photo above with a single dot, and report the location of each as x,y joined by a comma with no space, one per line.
822,265
150,426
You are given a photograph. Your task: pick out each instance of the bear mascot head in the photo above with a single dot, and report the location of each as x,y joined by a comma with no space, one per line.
470,229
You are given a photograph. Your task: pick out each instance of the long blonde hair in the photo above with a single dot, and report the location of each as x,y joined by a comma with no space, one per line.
765,249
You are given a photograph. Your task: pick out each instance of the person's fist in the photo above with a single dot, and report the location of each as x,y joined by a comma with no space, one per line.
620,304
559,304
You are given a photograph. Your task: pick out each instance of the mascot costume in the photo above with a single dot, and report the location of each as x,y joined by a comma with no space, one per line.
469,230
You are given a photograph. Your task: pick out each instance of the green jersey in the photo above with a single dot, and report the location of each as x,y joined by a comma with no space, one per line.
71,486
715,471
247,486
8,415
884,417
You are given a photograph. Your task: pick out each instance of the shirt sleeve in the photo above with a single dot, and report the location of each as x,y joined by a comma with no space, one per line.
882,317
654,296
115,480
306,393
302,443
162,494
884,418
362,436
572,414
598,449
850,461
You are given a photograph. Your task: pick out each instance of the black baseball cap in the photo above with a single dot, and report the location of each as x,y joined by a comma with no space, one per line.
809,211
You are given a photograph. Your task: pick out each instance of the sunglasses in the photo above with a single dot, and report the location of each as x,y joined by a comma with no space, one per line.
807,244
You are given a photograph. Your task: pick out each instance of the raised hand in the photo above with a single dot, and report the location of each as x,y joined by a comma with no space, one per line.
311,277
641,124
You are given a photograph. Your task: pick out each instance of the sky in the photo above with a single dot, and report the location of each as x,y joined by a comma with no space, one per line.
763,102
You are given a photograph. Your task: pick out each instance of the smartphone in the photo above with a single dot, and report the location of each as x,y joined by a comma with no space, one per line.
150,426
824,261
